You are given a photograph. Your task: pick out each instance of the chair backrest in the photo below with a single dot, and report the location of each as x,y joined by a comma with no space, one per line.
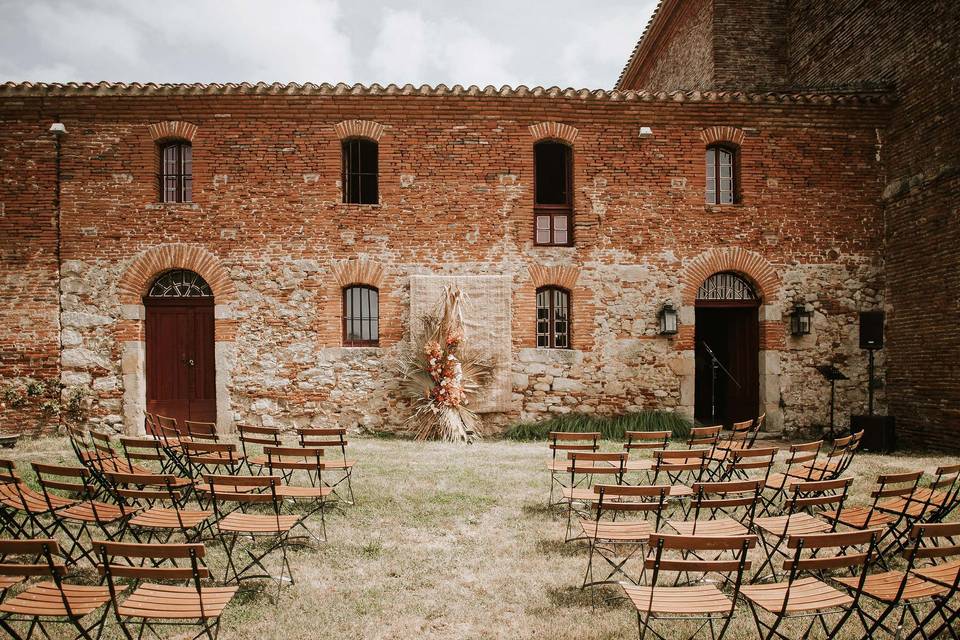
201,430
751,463
8,472
896,485
251,434
758,423
324,437
137,561
288,459
805,495
102,446
934,541
74,481
734,498
212,454
150,426
647,440
79,442
135,488
943,494
592,463
139,449
739,433
620,499
691,464
31,552
824,552
800,455
704,436
683,554
573,441
244,489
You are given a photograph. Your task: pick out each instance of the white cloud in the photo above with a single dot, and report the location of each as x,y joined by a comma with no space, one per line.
413,49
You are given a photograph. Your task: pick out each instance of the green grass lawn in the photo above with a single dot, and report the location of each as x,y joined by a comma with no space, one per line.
445,541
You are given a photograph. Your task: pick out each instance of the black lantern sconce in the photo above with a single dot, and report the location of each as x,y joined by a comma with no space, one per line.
800,320
668,319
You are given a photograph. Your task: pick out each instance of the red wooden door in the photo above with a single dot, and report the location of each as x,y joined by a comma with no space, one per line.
732,332
181,375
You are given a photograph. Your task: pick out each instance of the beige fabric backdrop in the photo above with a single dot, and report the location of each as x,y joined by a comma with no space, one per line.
486,319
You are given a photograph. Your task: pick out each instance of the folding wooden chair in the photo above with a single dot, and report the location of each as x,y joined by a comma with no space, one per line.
86,516
809,596
583,467
929,504
52,601
644,440
736,438
253,436
750,464
703,602
906,590
681,468
798,520
617,541
721,509
154,507
836,462
158,603
340,467
775,489
80,443
206,431
563,442
870,517
24,509
288,463
146,453
204,458
273,527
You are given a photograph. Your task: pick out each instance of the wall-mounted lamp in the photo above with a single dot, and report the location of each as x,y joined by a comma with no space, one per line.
646,132
800,320
668,319
58,129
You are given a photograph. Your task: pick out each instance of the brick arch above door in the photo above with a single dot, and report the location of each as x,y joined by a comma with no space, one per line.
742,261
147,265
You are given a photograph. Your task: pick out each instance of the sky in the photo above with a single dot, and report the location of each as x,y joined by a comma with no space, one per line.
567,43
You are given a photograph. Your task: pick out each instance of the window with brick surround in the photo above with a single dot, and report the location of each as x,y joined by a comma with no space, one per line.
553,318
721,174
361,316
176,172
360,171
553,193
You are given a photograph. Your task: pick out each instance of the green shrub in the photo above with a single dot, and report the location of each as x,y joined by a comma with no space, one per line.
612,427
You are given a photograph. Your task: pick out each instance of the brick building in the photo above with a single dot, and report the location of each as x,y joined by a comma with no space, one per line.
266,249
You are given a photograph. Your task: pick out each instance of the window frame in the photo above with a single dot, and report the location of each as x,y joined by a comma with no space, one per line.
551,291
181,176
344,335
346,172
717,149
553,211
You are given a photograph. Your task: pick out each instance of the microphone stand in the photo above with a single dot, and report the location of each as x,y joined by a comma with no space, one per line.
714,365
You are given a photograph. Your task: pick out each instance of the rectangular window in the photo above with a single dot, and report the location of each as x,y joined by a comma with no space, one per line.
553,193
553,318
721,178
176,172
360,171
361,316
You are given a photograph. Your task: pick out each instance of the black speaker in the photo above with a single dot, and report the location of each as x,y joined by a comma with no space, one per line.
879,432
871,329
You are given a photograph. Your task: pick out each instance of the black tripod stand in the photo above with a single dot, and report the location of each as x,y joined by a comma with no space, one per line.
832,374
715,364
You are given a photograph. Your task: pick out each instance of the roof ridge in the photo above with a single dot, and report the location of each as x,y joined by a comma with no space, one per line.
42,89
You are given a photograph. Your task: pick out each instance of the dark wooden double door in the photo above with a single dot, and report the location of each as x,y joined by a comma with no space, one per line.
732,332
181,373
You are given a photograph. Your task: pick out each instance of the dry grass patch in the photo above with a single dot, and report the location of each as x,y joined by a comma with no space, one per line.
446,541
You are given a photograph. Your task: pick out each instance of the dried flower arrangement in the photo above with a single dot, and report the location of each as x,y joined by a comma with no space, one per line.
440,373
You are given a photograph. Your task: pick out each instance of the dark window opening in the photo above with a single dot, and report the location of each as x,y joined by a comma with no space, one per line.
360,171
361,317
553,193
176,172
721,175
553,318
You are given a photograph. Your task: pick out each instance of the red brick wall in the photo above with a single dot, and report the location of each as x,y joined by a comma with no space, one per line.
749,44
29,329
914,46
680,54
456,177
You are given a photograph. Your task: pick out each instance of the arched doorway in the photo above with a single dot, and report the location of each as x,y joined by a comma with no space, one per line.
727,350
180,361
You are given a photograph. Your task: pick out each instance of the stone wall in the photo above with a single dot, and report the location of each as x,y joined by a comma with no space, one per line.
268,230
